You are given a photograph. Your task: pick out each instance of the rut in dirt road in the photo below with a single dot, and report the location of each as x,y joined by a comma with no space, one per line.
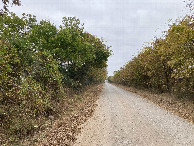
123,118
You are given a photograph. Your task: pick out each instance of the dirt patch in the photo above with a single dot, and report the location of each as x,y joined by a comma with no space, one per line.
63,131
182,107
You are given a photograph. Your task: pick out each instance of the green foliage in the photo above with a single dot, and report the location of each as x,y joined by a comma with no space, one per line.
79,51
10,72
165,65
6,4
42,35
37,61
97,75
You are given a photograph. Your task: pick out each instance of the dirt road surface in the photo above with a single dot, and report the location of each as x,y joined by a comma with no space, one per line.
123,118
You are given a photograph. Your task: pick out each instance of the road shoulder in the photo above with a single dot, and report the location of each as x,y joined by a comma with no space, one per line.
181,107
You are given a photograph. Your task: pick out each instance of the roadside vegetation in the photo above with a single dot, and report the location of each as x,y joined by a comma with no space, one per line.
40,65
166,65
163,72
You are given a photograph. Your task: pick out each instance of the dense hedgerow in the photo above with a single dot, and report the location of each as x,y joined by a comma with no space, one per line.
166,65
37,61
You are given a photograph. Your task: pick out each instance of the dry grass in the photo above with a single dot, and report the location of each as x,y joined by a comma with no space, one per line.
182,107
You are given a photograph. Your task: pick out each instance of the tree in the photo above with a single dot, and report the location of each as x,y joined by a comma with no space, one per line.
6,4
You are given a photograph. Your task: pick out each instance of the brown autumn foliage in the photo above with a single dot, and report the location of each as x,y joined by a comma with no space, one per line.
166,65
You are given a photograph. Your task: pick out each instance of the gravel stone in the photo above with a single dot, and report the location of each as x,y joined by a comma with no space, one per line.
123,118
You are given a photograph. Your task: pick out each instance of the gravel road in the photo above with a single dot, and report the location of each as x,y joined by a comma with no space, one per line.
123,118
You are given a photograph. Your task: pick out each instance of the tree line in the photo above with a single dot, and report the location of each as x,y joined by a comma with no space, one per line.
166,64
38,61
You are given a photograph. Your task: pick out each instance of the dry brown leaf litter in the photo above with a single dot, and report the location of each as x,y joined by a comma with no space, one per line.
64,130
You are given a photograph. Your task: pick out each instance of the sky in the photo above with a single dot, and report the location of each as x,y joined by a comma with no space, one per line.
126,25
